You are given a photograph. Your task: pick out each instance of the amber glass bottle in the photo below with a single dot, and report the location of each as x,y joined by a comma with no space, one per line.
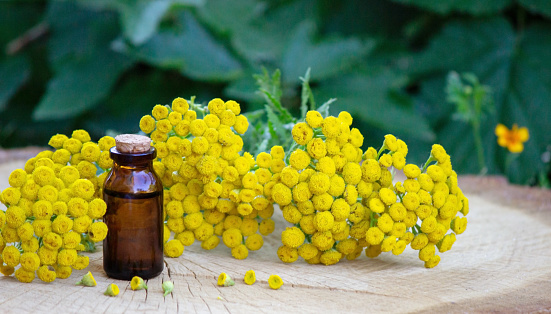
134,197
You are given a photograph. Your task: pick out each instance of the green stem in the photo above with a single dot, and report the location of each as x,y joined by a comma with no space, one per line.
289,151
318,131
431,159
381,151
509,160
479,147
372,220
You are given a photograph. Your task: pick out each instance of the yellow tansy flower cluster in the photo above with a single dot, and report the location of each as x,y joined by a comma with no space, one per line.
213,191
318,190
426,211
54,207
342,200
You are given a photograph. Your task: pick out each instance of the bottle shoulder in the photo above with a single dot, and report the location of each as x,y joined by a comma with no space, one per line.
125,180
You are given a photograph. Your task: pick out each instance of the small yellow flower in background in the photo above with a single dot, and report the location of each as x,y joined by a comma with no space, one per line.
250,277
168,286
137,283
275,282
225,280
112,290
88,280
512,139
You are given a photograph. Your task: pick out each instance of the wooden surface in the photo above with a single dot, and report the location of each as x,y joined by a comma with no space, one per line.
501,263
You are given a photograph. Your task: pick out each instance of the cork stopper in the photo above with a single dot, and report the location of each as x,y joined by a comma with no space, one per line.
133,143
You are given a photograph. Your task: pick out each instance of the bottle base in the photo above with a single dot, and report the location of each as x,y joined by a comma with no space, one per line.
128,275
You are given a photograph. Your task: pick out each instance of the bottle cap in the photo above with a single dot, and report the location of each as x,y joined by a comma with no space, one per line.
133,143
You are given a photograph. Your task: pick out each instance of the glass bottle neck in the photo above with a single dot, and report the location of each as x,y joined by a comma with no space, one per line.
128,160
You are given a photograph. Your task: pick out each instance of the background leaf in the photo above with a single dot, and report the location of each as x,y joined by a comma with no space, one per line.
140,19
14,72
326,58
372,99
79,86
263,38
537,6
101,64
518,70
469,6
190,49
83,76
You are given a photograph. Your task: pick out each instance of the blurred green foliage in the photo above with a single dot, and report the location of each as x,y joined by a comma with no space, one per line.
102,64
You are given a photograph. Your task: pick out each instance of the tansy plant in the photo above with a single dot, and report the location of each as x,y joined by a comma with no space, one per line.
213,190
342,200
54,209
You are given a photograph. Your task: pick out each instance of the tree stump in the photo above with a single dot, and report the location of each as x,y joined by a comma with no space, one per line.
502,262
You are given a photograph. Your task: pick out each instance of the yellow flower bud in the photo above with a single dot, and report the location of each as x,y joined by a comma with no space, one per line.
112,290
137,283
224,280
87,280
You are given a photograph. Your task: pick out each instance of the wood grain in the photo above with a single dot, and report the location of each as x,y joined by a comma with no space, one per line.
501,263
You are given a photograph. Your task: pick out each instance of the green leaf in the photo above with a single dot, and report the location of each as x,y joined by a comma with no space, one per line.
306,95
140,19
277,129
14,72
79,86
245,88
374,99
326,58
324,108
537,6
270,88
263,38
518,69
476,7
85,66
191,50
228,17
383,19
